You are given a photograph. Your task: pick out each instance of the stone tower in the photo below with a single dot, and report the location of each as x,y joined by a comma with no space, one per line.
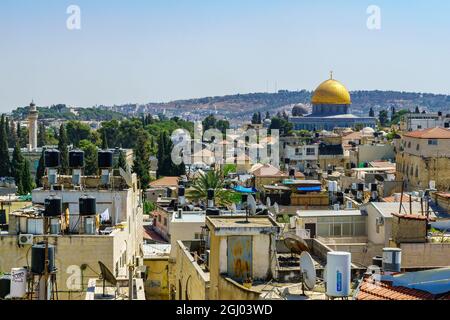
32,127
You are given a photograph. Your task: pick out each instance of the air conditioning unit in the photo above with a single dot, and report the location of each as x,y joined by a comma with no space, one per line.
26,239
379,221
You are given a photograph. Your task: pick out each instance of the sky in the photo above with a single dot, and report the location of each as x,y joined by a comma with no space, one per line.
140,51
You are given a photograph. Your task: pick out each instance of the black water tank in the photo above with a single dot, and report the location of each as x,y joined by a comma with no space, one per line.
181,191
213,212
244,198
87,206
52,158
210,194
377,261
53,207
5,286
373,187
360,186
76,159
105,159
292,173
38,258
287,161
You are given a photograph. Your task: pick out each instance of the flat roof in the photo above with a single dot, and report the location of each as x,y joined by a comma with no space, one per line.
386,209
156,250
189,217
224,225
329,213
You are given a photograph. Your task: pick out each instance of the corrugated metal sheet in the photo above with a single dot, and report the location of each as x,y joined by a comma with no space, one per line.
240,257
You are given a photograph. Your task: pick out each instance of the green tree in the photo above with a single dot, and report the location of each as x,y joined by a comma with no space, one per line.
104,142
17,165
111,129
90,157
63,149
42,135
383,117
213,179
4,152
142,159
12,134
280,123
26,180
77,131
209,122
40,172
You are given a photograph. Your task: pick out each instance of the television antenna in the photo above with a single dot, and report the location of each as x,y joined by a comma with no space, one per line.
308,272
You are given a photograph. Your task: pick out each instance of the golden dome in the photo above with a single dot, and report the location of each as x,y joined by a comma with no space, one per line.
331,92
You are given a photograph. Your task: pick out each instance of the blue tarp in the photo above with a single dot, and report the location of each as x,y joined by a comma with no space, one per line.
242,189
309,189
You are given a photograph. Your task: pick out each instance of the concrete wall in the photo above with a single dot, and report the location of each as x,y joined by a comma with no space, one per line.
378,234
189,278
231,290
157,283
368,152
183,230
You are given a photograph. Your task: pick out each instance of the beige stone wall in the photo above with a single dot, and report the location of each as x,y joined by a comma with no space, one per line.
231,290
408,230
419,167
157,283
432,255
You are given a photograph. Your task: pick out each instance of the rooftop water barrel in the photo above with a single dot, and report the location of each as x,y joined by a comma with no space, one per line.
53,207
52,158
392,259
338,274
181,191
373,187
87,206
360,186
38,258
105,159
213,212
5,286
210,194
18,282
76,159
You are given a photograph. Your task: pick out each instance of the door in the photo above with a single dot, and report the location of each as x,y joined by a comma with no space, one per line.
239,257
312,229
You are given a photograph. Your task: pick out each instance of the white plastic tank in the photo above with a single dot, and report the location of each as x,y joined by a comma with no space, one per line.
55,226
18,282
338,274
89,226
332,186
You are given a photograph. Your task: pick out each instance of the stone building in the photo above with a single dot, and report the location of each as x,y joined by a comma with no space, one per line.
424,156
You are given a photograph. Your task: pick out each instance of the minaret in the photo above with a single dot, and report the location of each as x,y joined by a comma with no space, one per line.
32,127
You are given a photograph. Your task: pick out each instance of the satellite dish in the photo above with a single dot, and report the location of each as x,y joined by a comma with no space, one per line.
276,208
268,202
308,270
379,177
251,205
295,244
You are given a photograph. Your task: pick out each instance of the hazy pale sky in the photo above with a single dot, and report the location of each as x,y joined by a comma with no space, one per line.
142,51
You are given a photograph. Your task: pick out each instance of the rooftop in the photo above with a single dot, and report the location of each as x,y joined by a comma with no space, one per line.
165,182
386,209
329,213
238,225
431,133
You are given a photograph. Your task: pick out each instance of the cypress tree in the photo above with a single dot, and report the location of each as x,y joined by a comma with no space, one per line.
161,155
142,160
104,141
63,149
40,172
27,182
4,153
42,135
17,165
12,138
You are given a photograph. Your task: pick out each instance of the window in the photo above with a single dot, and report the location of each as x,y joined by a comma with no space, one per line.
432,142
409,144
310,151
298,151
418,147
165,221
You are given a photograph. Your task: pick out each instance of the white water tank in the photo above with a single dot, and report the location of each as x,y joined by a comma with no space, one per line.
18,282
338,274
332,186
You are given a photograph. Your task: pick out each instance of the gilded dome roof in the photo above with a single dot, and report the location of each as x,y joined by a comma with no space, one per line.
331,92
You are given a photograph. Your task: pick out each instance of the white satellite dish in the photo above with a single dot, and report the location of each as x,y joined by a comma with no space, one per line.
276,208
251,203
268,202
308,271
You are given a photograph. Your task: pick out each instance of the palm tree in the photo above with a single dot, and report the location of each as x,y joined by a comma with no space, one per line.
213,179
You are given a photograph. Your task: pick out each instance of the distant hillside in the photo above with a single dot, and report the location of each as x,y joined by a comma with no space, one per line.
240,107
61,111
